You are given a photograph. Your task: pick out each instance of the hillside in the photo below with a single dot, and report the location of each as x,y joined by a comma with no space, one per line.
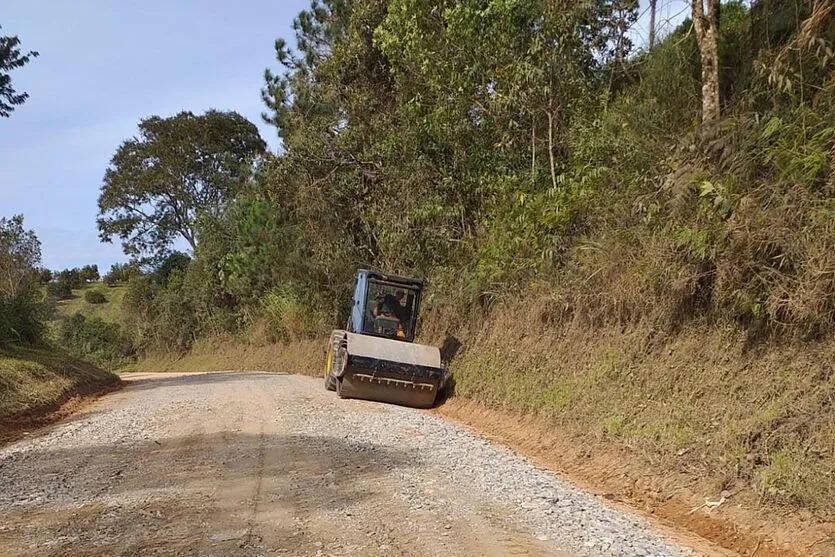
93,331
36,382
109,311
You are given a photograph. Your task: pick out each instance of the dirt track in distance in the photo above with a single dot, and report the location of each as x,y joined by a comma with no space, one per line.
263,464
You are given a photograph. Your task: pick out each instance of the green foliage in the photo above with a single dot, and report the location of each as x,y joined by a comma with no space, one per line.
696,243
175,262
21,319
287,315
11,58
20,254
121,273
95,297
798,149
95,340
492,145
78,277
71,277
179,170
171,306
176,320
21,311
59,289
444,133
90,273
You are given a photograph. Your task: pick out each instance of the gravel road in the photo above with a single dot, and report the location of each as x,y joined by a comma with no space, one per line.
262,464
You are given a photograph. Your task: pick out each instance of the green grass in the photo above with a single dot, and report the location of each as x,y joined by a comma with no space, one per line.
39,379
109,311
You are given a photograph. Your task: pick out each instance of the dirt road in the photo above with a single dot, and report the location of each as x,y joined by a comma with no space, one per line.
263,464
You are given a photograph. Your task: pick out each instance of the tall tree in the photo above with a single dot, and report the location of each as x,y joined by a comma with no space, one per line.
11,58
20,254
177,171
653,9
90,273
706,22
317,30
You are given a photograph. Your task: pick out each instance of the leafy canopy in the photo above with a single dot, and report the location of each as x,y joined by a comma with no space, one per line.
11,58
177,171
20,254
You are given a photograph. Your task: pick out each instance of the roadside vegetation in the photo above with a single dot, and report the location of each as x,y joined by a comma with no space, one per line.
89,324
36,375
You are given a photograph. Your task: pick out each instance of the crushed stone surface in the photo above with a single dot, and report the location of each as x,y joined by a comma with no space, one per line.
235,463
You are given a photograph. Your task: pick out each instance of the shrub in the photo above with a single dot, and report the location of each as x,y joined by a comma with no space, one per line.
176,262
59,289
121,272
287,315
20,320
138,311
94,297
95,340
161,317
176,324
21,311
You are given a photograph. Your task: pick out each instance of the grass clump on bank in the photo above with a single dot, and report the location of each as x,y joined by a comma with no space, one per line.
37,380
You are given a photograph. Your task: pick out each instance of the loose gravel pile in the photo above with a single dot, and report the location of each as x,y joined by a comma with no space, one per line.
457,473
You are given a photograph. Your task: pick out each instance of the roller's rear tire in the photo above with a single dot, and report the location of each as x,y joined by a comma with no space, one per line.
330,383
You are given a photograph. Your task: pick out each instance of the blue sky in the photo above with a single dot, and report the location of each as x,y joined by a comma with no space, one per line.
103,66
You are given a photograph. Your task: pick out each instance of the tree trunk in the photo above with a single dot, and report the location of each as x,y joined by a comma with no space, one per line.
551,134
533,148
653,5
707,35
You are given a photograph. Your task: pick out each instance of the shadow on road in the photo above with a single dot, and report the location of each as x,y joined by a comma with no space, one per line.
136,496
141,381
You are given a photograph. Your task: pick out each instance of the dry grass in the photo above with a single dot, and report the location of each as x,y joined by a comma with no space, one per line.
698,400
286,317
34,380
303,357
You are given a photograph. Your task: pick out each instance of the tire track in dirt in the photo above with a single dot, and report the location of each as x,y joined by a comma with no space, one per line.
256,498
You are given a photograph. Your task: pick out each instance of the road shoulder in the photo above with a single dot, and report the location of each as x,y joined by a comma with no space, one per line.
679,506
